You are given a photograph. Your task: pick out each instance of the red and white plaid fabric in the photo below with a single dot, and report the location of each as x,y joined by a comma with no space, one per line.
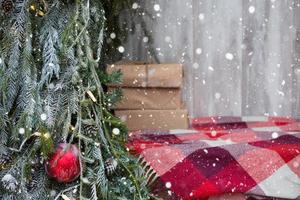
223,155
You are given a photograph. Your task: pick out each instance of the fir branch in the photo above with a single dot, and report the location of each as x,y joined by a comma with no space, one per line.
94,193
19,19
12,74
52,78
50,59
66,190
26,101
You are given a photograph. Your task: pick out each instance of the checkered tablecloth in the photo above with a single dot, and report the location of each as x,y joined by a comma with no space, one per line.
223,155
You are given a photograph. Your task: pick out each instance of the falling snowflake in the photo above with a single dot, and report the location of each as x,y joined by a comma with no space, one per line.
168,185
113,35
51,86
116,131
198,51
75,191
251,9
21,130
211,68
43,116
156,7
145,39
53,193
229,56
275,135
295,164
213,133
201,16
135,6
217,95
121,49
195,65
280,93
297,71
168,39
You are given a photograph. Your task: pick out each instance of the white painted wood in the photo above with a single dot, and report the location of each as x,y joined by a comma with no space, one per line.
241,57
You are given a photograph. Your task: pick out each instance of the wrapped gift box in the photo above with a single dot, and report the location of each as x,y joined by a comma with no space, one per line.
149,75
149,98
154,119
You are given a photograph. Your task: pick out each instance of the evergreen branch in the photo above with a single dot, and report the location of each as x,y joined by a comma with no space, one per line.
66,190
24,142
48,65
51,64
94,192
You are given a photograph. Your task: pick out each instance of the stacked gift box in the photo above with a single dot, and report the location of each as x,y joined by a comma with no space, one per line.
151,96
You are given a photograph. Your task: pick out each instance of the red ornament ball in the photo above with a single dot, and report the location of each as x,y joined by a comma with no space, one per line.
64,164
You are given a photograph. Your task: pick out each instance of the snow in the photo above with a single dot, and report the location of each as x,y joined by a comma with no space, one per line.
168,39
145,39
201,16
21,131
168,185
213,133
156,7
195,65
229,56
275,135
198,51
251,9
217,95
121,49
53,193
116,131
113,35
280,93
135,6
296,164
43,116
211,68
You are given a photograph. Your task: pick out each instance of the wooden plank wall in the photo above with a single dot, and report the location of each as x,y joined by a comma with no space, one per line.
261,36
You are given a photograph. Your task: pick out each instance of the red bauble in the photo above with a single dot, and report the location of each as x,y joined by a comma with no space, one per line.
64,164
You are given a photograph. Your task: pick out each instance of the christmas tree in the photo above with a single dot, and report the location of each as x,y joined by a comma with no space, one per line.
58,139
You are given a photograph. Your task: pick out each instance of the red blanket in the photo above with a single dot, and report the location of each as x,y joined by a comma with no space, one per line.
249,155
